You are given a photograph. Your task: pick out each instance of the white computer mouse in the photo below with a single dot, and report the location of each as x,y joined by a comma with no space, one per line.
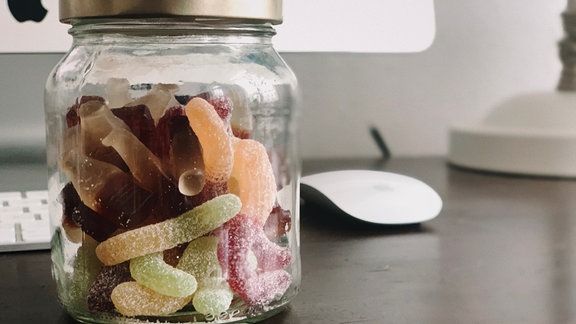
375,196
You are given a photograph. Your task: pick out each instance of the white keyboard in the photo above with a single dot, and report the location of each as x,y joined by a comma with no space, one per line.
24,222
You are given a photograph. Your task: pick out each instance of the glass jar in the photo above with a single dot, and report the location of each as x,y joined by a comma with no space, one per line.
173,170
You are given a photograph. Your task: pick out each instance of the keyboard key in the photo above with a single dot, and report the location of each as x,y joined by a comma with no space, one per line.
39,194
7,233
14,218
10,195
24,221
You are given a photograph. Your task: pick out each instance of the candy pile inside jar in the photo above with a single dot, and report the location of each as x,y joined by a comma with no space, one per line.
179,202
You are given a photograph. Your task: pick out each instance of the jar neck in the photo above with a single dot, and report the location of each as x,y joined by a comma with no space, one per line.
185,29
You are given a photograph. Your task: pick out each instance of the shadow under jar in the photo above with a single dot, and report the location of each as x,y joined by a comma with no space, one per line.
173,170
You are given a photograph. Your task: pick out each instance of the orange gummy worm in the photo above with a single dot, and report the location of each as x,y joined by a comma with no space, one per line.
213,137
133,299
252,179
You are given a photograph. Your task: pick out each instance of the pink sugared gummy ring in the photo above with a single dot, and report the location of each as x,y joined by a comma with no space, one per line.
255,285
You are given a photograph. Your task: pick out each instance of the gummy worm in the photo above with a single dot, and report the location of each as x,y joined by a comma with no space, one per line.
256,286
213,137
133,299
252,179
151,271
169,233
201,260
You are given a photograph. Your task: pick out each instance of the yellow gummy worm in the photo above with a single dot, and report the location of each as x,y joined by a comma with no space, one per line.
169,233
133,299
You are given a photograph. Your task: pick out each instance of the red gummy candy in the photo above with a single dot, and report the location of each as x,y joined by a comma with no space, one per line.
222,104
210,190
260,285
278,223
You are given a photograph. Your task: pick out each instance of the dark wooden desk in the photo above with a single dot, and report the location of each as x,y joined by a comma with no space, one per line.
503,250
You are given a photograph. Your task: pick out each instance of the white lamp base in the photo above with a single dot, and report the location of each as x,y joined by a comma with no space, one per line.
533,134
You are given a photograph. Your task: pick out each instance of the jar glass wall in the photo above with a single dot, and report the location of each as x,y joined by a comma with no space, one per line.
173,172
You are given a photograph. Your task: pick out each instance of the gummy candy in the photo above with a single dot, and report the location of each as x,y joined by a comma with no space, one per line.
256,286
117,92
186,156
109,277
170,202
151,271
137,171
214,297
242,119
209,191
164,131
214,139
97,120
86,269
201,260
141,124
133,299
172,256
221,103
77,213
169,233
145,167
278,223
252,179
107,190
72,118
158,99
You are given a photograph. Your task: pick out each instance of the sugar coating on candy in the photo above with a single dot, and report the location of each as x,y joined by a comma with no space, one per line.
201,260
133,299
214,139
213,299
151,271
99,293
221,103
252,179
145,167
169,233
209,191
260,285
278,223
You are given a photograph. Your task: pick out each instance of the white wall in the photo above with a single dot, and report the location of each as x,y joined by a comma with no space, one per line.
484,52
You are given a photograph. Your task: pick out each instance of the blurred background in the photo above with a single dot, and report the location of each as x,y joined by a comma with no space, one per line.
483,53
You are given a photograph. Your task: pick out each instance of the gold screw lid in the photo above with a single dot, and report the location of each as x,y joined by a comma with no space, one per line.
260,10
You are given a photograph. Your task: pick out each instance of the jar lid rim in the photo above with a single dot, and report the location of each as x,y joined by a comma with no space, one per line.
260,10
